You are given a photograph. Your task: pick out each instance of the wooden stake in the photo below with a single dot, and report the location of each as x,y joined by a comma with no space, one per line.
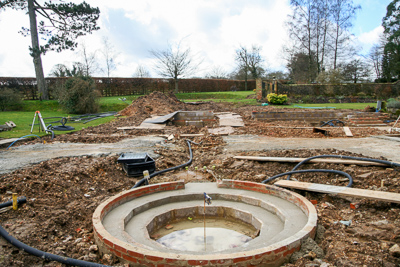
15,201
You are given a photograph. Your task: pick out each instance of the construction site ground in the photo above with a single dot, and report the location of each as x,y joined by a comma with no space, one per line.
65,180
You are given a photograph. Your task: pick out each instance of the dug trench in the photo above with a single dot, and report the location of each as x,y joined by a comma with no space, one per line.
63,192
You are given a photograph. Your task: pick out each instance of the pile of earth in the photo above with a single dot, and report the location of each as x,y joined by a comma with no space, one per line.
154,103
158,103
62,194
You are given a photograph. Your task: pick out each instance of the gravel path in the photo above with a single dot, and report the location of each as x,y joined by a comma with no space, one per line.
23,156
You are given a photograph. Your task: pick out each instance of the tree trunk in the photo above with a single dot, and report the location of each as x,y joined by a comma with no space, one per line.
336,48
245,80
176,85
37,61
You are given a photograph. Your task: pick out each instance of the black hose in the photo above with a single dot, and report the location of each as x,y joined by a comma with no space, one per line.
289,174
331,123
393,164
144,180
313,170
20,201
41,254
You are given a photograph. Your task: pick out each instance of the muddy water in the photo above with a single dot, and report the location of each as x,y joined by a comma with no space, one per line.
221,234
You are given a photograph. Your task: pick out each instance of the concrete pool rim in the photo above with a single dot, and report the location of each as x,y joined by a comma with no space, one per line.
272,255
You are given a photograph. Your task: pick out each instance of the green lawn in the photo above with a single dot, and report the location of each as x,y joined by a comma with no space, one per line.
23,120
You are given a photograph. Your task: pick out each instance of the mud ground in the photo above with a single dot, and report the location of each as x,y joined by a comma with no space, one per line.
63,189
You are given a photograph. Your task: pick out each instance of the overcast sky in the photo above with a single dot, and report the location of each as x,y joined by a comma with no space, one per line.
213,29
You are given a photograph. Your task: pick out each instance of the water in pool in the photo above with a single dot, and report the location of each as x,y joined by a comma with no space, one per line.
220,235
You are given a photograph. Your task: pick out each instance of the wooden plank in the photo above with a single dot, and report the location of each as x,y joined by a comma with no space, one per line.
325,160
8,141
341,190
347,131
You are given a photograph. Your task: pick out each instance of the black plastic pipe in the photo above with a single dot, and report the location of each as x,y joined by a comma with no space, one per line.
313,170
20,201
144,180
389,163
289,174
41,254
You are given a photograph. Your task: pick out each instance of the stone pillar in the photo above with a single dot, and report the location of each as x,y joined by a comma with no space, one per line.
259,89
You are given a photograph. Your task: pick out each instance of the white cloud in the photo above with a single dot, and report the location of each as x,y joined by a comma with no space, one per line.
213,29
371,37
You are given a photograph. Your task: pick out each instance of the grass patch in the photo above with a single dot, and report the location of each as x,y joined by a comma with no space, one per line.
113,103
23,120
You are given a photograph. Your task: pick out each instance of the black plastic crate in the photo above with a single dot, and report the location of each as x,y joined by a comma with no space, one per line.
135,164
133,158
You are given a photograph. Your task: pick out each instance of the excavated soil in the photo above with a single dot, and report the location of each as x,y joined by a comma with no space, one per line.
62,193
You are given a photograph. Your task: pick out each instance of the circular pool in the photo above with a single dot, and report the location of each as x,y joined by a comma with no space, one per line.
124,225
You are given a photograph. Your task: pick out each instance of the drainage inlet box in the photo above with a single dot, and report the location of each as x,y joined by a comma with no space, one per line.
134,164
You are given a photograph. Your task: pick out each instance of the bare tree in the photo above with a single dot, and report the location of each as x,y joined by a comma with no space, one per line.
250,61
110,56
355,71
342,12
59,70
375,56
175,62
141,72
217,72
89,61
279,75
304,28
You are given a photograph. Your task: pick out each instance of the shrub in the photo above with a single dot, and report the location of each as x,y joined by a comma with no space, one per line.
10,99
393,104
307,99
79,96
276,99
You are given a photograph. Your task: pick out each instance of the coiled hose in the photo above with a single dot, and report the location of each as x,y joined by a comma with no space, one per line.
38,253
389,163
144,180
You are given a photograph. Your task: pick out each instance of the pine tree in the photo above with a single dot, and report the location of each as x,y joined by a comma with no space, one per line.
60,24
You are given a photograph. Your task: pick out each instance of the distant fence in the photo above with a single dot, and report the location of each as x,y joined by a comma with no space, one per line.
128,86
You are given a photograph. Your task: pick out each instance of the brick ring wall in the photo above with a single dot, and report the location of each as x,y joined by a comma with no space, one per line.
273,255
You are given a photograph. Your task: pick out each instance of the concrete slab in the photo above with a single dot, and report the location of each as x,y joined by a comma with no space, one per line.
230,120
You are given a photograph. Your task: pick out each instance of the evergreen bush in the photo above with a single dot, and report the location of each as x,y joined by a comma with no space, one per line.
79,96
277,99
10,99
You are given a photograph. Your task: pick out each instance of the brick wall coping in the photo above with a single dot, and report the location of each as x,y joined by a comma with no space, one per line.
272,255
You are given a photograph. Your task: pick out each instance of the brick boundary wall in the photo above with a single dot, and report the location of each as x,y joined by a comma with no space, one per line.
136,255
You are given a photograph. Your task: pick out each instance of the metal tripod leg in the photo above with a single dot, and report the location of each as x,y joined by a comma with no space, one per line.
33,123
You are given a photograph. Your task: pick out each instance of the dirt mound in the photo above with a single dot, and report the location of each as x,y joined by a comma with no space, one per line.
154,103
